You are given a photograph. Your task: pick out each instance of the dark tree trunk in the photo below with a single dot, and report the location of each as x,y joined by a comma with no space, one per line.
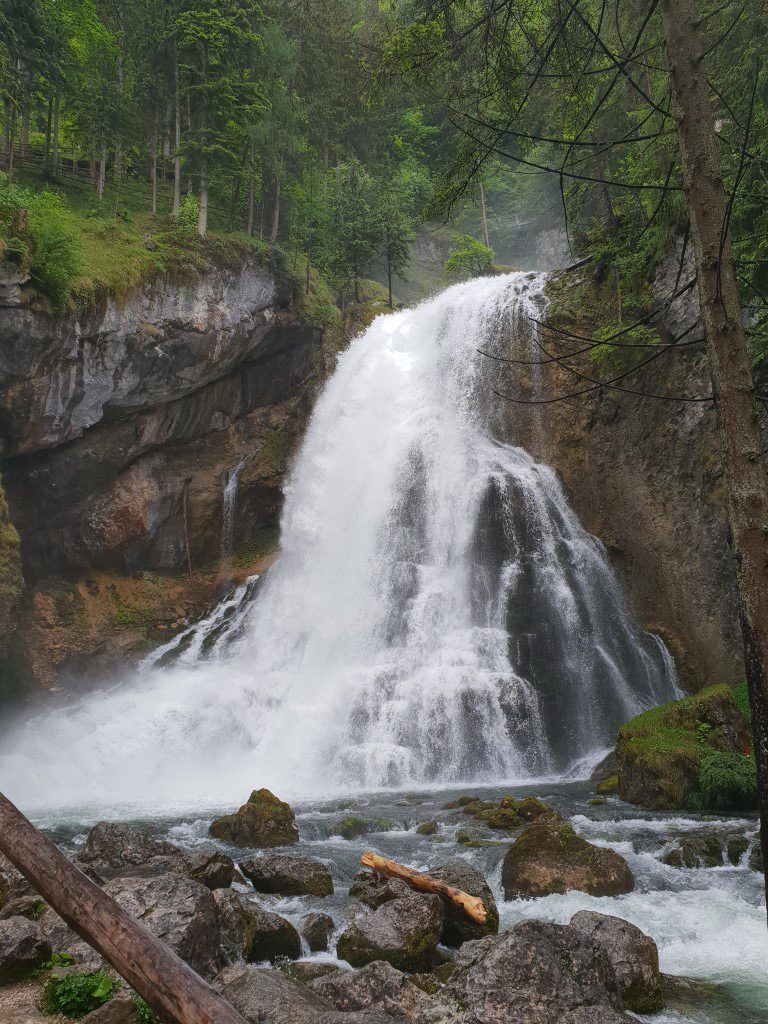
176,133
249,214
729,363
56,135
275,222
153,163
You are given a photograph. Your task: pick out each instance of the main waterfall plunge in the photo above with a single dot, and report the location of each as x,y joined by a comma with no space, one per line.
437,613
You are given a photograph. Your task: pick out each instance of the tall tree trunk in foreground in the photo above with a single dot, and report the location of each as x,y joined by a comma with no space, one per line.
176,133
153,162
730,366
173,990
275,223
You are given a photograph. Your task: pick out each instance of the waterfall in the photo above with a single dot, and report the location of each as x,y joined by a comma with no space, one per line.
228,508
437,614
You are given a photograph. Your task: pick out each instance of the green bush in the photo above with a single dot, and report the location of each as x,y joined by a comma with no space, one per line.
469,258
74,995
189,212
144,1013
728,781
56,256
741,700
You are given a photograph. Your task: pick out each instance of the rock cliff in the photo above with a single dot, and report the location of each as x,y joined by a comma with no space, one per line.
120,427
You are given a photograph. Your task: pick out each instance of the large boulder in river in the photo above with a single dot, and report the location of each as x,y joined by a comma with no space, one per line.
113,848
177,910
373,889
457,926
270,997
537,973
248,932
404,932
288,876
262,822
23,947
632,953
660,753
378,985
317,930
212,868
548,859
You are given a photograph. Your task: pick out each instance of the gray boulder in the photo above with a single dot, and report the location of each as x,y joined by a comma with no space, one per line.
23,947
211,868
536,973
317,930
121,1009
270,997
632,953
373,890
304,971
12,883
248,932
378,985
458,927
404,932
177,910
289,876
113,848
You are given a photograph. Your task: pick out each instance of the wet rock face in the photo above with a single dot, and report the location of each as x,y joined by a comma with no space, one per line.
263,822
632,953
269,997
248,932
213,869
373,890
536,973
379,985
179,911
289,876
403,931
317,930
112,848
23,947
548,859
458,927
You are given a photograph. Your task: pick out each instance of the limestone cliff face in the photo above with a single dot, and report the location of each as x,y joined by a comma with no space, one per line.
119,428
645,476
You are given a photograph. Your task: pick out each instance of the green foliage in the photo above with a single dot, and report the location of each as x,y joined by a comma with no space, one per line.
741,700
57,960
727,781
189,212
469,258
144,1013
75,995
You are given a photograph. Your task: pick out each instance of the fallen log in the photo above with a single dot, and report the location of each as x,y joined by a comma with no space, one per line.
471,905
174,991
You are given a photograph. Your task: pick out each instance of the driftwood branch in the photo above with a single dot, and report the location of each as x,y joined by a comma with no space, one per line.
173,990
471,905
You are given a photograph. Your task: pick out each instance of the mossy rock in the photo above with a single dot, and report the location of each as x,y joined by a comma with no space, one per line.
551,858
427,828
659,753
607,786
264,821
353,827
500,818
531,809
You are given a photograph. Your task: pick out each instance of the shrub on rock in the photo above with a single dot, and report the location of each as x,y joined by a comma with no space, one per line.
632,953
548,859
660,753
289,876
404,932
263,821
23,947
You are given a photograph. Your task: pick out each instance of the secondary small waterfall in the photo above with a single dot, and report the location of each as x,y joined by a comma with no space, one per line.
437,613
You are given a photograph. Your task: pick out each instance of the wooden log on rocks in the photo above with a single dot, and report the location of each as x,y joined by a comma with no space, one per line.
471,905
174,991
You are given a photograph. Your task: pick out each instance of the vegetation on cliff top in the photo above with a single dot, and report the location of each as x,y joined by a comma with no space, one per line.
693,753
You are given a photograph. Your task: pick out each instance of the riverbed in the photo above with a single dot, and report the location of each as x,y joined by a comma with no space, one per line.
709,923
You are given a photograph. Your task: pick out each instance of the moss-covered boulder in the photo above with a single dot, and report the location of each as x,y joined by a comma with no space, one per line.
404,932
692,753
353,827
263,822
427,828
552,858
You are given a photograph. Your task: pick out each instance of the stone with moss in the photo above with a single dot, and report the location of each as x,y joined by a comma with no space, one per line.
353,827
609,785
262,822
427,828
531,809
551,858
404,932
659,754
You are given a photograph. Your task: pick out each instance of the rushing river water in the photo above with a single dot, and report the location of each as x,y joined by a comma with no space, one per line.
709,923
437,616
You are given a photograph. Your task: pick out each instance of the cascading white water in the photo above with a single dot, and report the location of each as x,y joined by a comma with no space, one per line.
437,613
